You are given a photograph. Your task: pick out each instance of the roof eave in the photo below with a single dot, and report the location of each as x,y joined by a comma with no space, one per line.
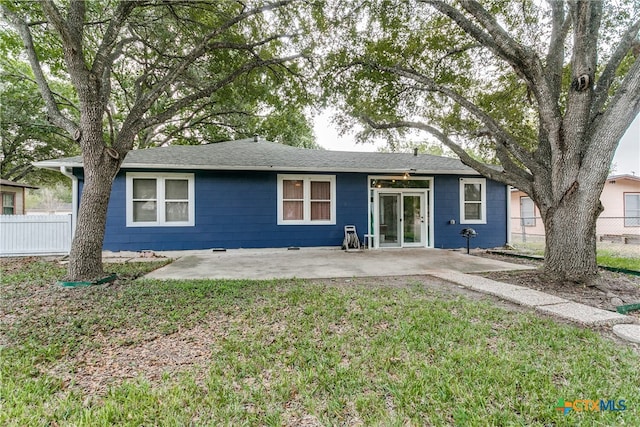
296,169
55,165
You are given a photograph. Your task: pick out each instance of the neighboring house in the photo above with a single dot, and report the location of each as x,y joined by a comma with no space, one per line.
256,194
621,216
13,197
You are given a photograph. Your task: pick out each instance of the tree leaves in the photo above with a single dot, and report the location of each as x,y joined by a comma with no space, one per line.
25,133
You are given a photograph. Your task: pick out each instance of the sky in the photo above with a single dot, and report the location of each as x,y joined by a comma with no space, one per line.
626,160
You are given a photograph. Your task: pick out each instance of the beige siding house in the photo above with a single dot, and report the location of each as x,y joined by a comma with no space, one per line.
13,197
619,221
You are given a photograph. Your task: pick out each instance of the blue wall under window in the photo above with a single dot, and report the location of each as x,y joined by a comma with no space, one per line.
239,210
446,201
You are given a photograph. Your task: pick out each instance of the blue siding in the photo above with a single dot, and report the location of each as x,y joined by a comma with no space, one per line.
239,210
446,203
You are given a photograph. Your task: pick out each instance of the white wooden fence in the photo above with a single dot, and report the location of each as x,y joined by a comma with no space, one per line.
35,235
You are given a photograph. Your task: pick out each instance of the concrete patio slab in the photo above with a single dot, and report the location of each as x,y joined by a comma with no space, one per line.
316,263
585,314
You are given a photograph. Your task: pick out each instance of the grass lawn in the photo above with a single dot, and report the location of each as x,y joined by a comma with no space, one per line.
608,255
614,259
292,353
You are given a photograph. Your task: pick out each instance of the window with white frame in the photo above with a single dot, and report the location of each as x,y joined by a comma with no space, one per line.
160,200
8,203
473,201
527,212
306,199
632,209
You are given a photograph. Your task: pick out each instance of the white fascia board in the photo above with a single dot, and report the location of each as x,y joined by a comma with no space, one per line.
295,169
55,165
52,164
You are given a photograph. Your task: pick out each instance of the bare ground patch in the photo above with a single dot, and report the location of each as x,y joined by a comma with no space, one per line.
113,360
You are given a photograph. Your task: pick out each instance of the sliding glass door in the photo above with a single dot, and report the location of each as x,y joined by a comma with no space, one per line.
402,219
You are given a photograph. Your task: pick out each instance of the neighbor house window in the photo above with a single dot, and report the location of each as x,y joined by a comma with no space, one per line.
632,209
160,200
8,203
306,199
473,195
527,212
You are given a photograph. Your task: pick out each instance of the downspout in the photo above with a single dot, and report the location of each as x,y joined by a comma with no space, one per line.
74,197
509,215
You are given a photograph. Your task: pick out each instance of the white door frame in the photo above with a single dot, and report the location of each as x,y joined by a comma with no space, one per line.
426,207
423,222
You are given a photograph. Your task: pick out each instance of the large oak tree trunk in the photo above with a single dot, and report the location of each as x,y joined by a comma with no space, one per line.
570,244
100,168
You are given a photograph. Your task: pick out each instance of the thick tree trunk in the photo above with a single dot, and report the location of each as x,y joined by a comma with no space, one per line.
570,245
85,259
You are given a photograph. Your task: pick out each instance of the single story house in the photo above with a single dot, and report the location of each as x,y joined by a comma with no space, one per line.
257,194
621,216
13,197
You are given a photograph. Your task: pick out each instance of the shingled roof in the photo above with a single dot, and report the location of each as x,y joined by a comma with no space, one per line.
247,154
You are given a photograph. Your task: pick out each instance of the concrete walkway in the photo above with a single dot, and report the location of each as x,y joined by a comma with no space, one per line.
624,327
453,266
549,304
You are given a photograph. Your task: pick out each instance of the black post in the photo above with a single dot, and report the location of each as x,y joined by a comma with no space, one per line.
468,233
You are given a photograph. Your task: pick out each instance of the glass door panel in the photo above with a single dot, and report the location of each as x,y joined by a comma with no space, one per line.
388,214
413,219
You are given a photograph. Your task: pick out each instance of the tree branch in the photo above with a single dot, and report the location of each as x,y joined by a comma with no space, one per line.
508,48
108,45
63,99
153,95
586,16
134,125
608,75
465,24
523,180
27,168
560,26
107,70
524,61
71,33
55,115
250,46
55,18
75,20
609,127
502,138
455,51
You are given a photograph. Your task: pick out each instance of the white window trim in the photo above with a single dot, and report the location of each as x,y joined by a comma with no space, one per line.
483,201
629,218
160,180
306,182
523,218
